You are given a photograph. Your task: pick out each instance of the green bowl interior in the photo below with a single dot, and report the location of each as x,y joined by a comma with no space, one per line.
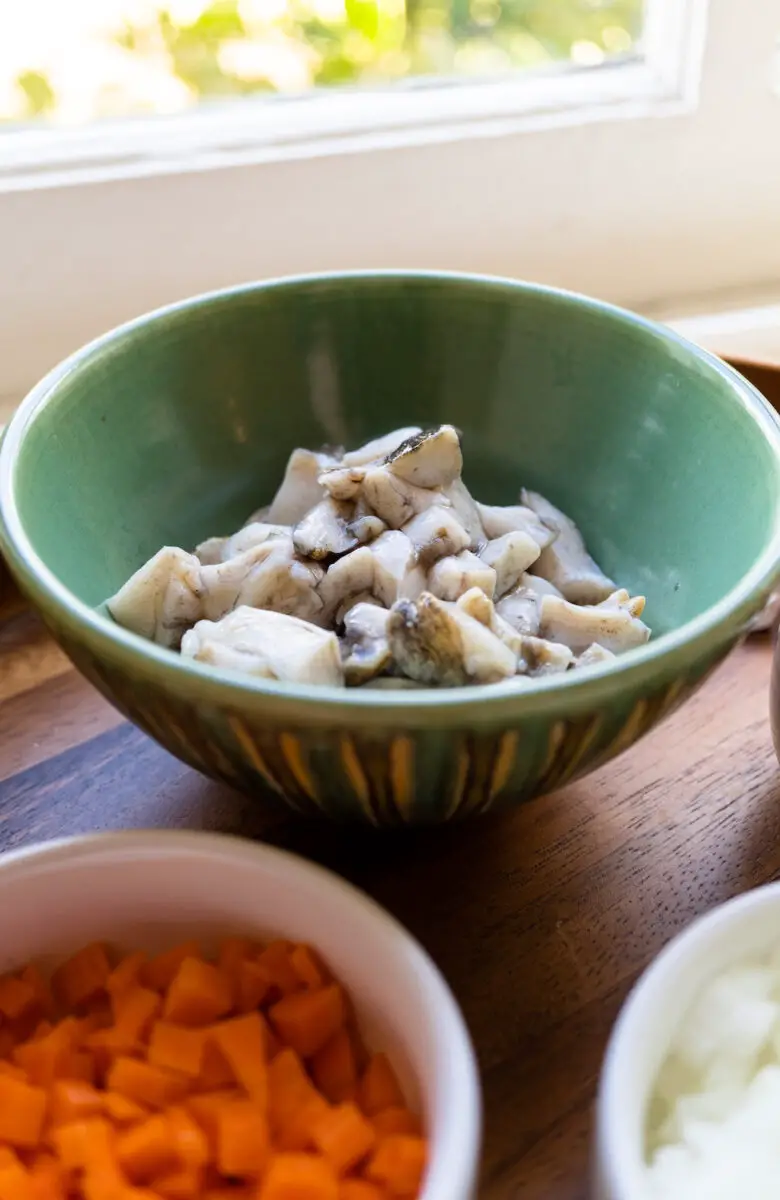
179,426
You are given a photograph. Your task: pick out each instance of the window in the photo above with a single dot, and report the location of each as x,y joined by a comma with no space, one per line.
635,165
89,59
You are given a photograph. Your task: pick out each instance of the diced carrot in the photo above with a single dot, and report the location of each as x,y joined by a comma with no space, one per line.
33,975
124,1097
189,1140
399,1164
253,986
48,1179
307,1020
299,1177
289,1088
16,997
72,1100
160,972
47,1058
22,1112
360,1189
177,1048
83,1145
379,1087
308,967
344,1136
297,1133
147,1150
7,1042
334,1067
180,1185
198,995
134,1010
145,1083
107,1045
206,1108
232,1192
233,953
275,961
126,973
122,1110
81,977
13,1072
242,1139
15,1182
396,1119
82,1066
215,1071
242,1040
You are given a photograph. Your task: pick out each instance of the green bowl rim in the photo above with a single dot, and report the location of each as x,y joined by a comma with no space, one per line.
668,655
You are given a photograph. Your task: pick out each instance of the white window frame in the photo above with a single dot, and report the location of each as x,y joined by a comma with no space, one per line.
644,182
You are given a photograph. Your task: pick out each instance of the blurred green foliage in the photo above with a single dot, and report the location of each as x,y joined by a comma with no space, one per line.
242,47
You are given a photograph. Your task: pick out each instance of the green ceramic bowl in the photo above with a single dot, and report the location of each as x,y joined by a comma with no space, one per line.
176,426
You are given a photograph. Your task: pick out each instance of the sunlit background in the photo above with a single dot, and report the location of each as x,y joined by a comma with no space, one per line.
72,61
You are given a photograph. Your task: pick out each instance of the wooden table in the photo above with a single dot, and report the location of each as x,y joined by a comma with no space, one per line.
541,918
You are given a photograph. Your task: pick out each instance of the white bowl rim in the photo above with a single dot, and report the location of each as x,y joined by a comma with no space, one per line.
618,1144
455,1148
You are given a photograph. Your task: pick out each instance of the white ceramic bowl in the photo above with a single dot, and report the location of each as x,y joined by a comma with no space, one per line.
153,889
741,929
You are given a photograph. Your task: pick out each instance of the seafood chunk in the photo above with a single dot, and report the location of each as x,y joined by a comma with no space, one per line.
439,644
481,608
429,460
539,586
267,644
325,531
397,573
343,483
435,533
467,512
520,609
510,556
162,599
635,605
348,577
450,577
300,489
350,602
566,563
367,528
580,625
540,657
395,500
215,550
365,651
380,447
269,576
498,520
593,655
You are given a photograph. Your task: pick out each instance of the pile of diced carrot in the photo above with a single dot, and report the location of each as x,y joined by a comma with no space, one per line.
178,1077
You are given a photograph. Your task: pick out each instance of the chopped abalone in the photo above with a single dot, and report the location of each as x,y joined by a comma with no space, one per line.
163,599
455,574
439,644
566,562
578,626
267,644
380,569
365,650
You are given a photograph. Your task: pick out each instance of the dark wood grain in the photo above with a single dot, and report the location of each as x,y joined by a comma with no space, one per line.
540,918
